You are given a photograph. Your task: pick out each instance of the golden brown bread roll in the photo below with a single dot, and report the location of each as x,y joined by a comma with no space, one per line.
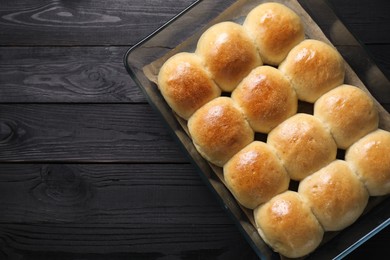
348,112
369,157
314,68
287,224
276,29
185,84
219,130
335,194
254,175
303,144
228,53
266,98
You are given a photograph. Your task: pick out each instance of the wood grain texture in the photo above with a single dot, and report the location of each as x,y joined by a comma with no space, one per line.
87,169
113,22
104,193
55,74
89,241
105,133
98,209
121,22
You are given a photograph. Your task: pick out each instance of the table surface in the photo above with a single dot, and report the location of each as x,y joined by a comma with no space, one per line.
87,168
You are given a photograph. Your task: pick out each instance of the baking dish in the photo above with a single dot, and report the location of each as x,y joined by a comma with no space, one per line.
181,33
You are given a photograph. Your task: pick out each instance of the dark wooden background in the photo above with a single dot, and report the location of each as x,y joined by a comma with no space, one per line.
87,169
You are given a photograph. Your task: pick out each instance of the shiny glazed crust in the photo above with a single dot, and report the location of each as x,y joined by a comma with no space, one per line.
219,130
266,98
348,112
185,84
303,145
254,175
276,29
314,68
335,194
370,159
228,53
287,224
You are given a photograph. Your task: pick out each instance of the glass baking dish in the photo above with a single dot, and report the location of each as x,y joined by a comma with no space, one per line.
176,36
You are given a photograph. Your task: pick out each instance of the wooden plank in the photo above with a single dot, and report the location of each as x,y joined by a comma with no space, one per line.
77,74
121,22
83,210
127,194
88,241
85,133
112,22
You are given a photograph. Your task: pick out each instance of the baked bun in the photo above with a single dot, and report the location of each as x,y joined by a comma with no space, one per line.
303,144
348,112
314,68
254,175
266,98
287,224
335,194
228,53
185,84
219,130
370,159
276,29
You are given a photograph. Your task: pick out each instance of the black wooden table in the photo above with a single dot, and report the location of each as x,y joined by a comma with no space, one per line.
87,169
